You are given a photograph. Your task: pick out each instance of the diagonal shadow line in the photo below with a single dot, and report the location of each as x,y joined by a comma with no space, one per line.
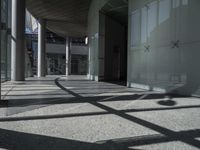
66,100
155,127
14,140
86,114
88,99
159,109
41,94
66,90
77,89
165,131
152,139
24,118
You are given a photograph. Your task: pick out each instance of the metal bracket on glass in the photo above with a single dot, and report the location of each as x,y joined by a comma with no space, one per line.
147,48
176,44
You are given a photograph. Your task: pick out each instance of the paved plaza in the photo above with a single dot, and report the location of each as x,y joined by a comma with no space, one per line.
59,113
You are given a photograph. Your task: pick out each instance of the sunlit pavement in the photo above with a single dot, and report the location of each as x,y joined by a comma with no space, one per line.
74,113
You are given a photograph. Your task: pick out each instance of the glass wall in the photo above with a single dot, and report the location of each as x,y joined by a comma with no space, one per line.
5,40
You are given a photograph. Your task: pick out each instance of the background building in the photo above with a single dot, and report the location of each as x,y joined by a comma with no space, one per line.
56,50
144,44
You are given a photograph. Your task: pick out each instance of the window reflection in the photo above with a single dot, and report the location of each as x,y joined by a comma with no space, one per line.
164,10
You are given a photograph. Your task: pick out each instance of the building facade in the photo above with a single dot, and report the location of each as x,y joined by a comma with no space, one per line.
163,39
148,44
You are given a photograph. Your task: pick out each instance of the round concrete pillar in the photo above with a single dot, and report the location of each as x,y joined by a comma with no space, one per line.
41,48
68,57
18,41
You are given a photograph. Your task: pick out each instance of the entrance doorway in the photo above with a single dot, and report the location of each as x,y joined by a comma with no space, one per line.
113,41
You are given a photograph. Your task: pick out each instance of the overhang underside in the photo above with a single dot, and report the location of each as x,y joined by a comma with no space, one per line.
63,17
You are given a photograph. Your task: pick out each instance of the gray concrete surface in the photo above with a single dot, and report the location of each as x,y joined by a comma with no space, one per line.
58,113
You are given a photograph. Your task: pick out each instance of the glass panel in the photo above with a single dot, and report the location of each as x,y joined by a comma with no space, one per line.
5,40
152,21
144,25
3,56
135,29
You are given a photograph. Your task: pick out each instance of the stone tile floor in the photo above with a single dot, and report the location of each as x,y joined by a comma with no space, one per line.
58,113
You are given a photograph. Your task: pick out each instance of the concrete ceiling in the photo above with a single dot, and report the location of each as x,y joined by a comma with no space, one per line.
117,9
64,17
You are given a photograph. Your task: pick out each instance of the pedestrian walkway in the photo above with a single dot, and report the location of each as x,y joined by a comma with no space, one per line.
59,113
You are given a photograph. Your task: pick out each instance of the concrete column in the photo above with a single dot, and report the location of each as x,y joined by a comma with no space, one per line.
68,57
41,48
18,41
